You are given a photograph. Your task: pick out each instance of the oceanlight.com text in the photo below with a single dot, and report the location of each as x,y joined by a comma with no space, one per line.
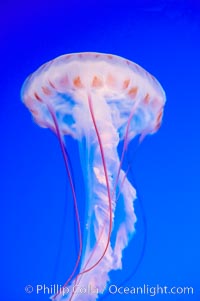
150,290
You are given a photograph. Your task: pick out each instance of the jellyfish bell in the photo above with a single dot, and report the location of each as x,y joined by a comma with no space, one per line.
100,100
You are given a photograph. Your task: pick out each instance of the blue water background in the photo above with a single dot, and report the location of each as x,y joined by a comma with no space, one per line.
38,244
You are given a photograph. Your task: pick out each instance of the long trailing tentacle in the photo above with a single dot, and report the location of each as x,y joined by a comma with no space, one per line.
64,153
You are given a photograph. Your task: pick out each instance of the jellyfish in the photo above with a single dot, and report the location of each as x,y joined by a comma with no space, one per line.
100,100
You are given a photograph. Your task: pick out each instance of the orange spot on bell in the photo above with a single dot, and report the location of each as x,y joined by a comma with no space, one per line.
147,98
97,82
46,91
37,97
51,84
77,82
132,92
110,80
158,120
67,56
34,112
159,117
126,83
109,56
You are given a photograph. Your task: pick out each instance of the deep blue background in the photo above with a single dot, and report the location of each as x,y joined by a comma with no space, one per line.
37,221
